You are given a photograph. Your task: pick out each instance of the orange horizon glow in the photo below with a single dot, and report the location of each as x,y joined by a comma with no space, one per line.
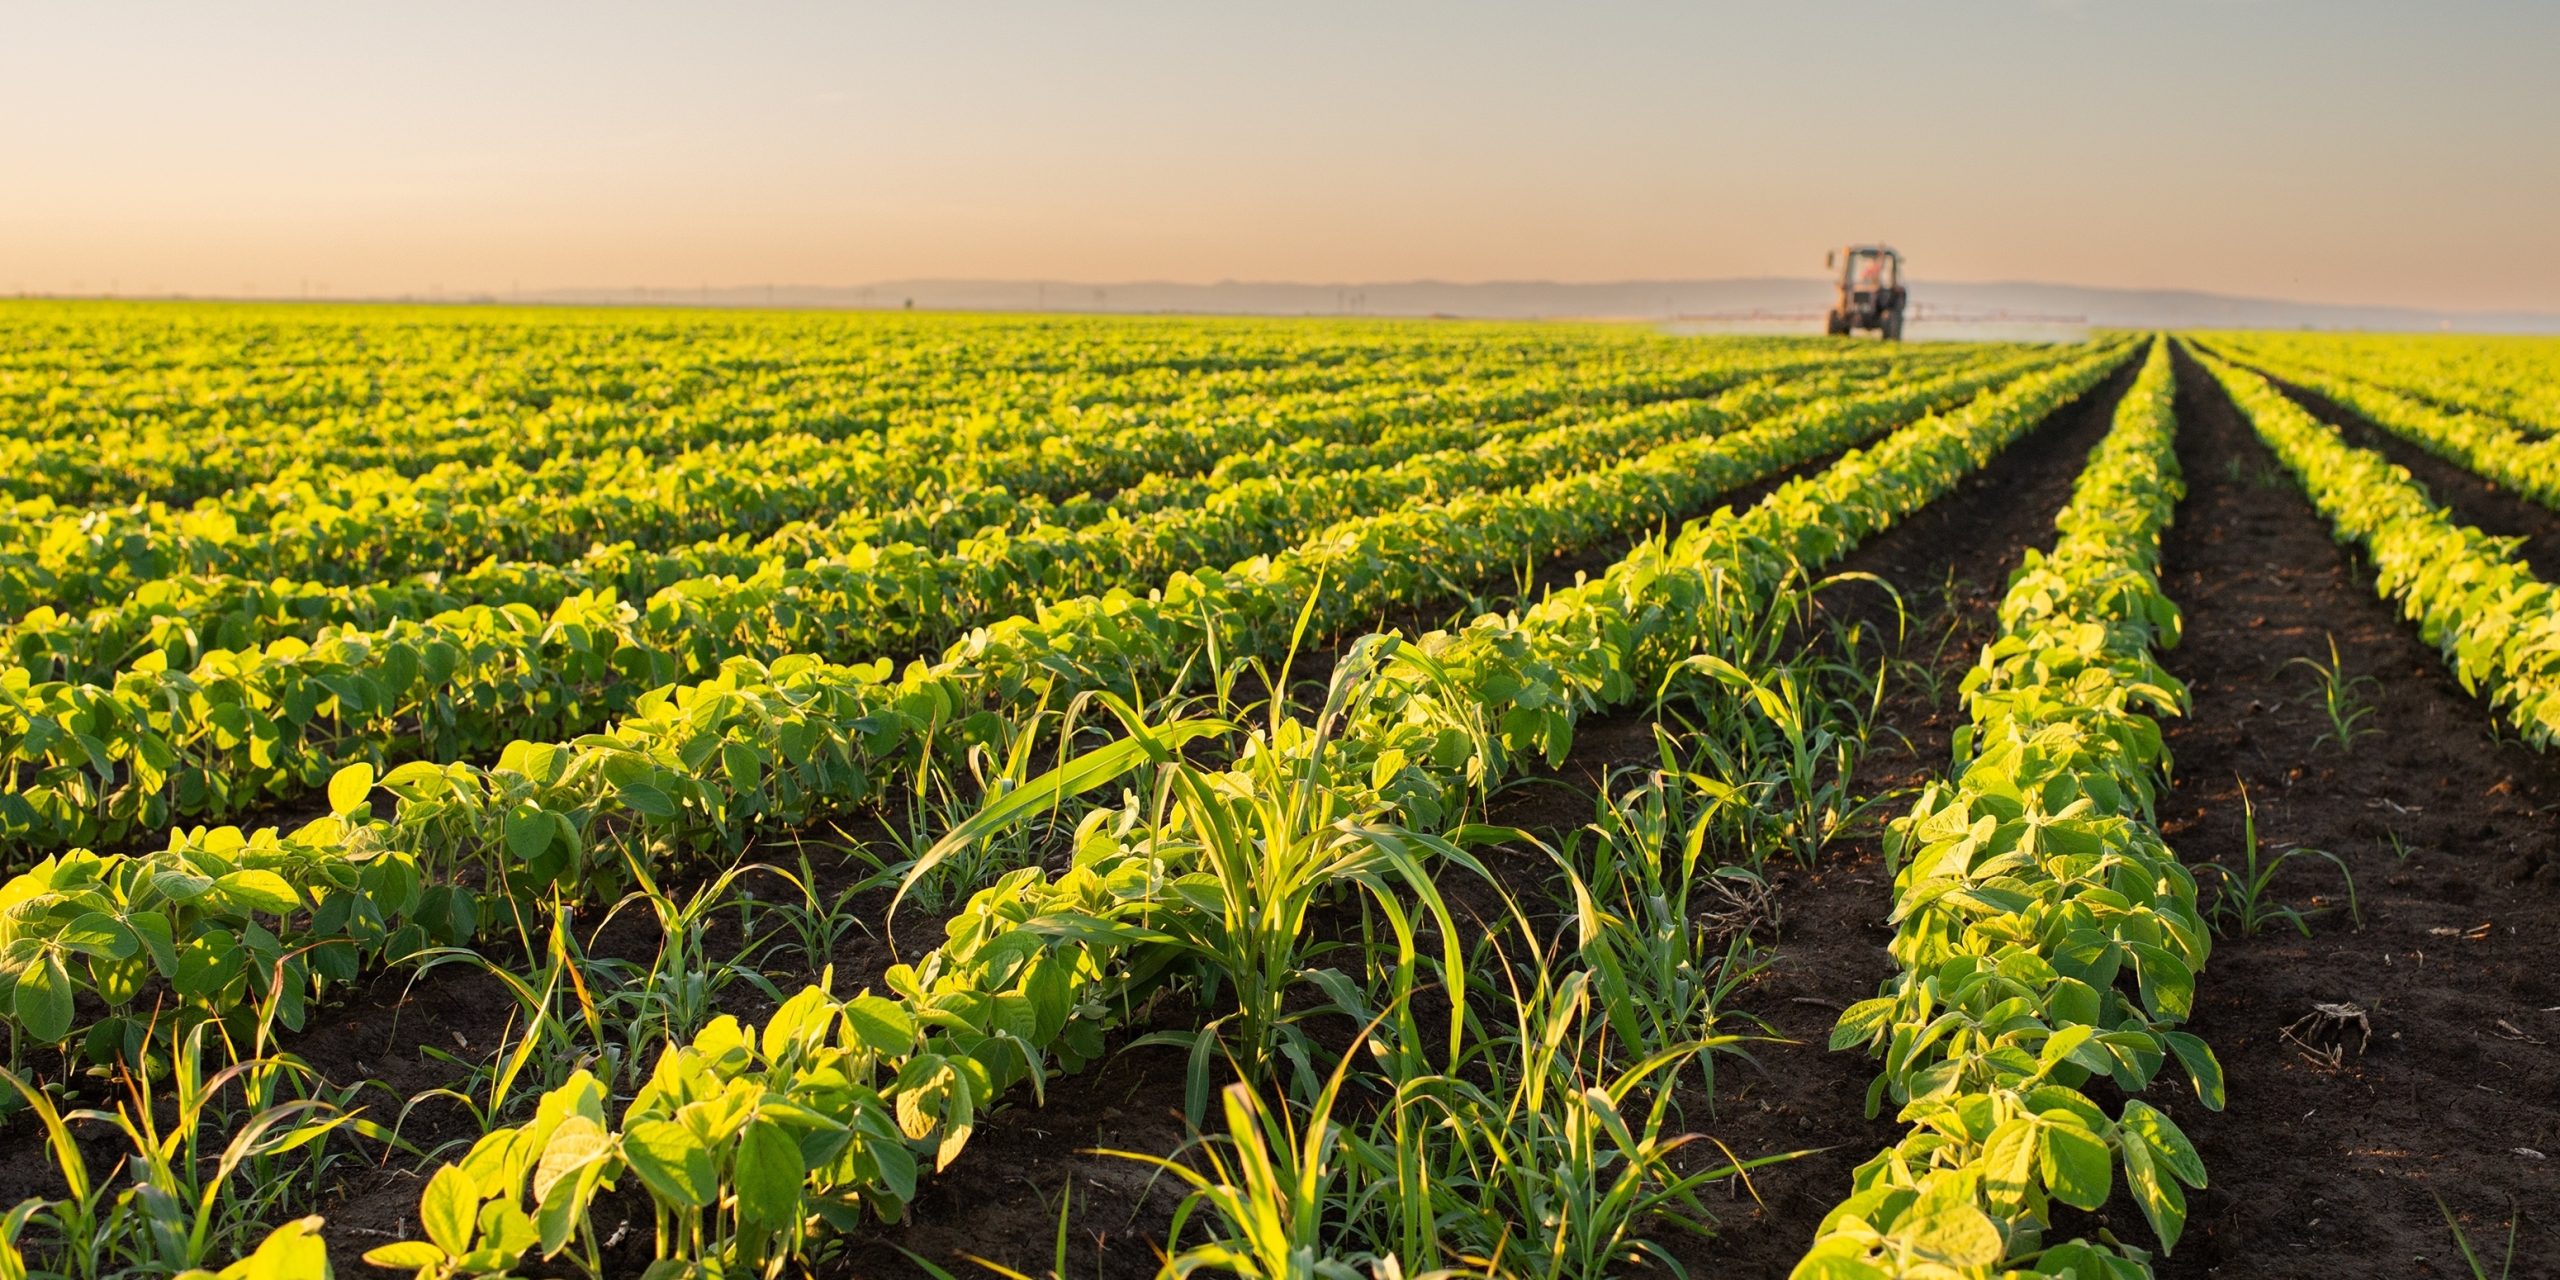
2347,153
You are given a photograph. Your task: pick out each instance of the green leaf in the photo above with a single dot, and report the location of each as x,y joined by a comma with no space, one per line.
152,928
769,1174
98,934
1862,1022
1828,1267
404,777
2009,1164
43,1005
349,787
2078,1167
2166,1140
406,1255
505,1229
896,1165
2071,1043
573,1143
2202,1067
672,1162
882,1025
258,889
2168,985
1951,1231
802,1014
2162,1203
207,965
528,832
742,764
294,1251
643,798
562,1210
447,1209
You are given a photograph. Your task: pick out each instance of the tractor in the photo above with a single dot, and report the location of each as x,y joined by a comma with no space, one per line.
1871,294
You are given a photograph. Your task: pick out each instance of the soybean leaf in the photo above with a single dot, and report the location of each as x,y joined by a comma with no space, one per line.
447,1209
44,999
259,889
672,1161
2202,1067
528,832
2166,1140
882,1025
2078,1168
769,1173
576,1141
349,787
2168,985
2009,1163
406,1255
2162,1203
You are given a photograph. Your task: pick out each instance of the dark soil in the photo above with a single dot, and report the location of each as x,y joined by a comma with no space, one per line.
2334,1169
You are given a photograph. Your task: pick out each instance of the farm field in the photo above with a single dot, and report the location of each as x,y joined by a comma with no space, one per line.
630,792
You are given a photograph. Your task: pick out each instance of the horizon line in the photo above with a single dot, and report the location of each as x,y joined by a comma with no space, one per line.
693,295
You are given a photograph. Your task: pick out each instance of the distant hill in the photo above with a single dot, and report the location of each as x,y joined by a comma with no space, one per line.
1755,303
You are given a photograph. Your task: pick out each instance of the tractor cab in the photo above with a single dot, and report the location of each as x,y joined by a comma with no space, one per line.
1870,290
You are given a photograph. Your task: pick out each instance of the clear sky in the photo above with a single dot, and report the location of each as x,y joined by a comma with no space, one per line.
2326,150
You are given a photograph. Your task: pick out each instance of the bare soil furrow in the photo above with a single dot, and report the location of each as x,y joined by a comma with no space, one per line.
2332,1168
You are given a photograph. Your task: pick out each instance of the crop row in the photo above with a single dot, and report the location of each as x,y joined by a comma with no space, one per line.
184,618
2510,378
2046,935
747,1142
2489,447
79,559
255,506
2471,595
242,727
109,404
698,768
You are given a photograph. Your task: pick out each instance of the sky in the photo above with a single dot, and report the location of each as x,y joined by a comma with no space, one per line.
2321,150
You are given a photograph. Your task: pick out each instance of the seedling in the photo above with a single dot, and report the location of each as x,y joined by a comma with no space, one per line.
1664,937
2246,904
1819,739
2341,698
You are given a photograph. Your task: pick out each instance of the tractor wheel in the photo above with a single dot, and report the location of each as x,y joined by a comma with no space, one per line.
1893,327
1837,325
